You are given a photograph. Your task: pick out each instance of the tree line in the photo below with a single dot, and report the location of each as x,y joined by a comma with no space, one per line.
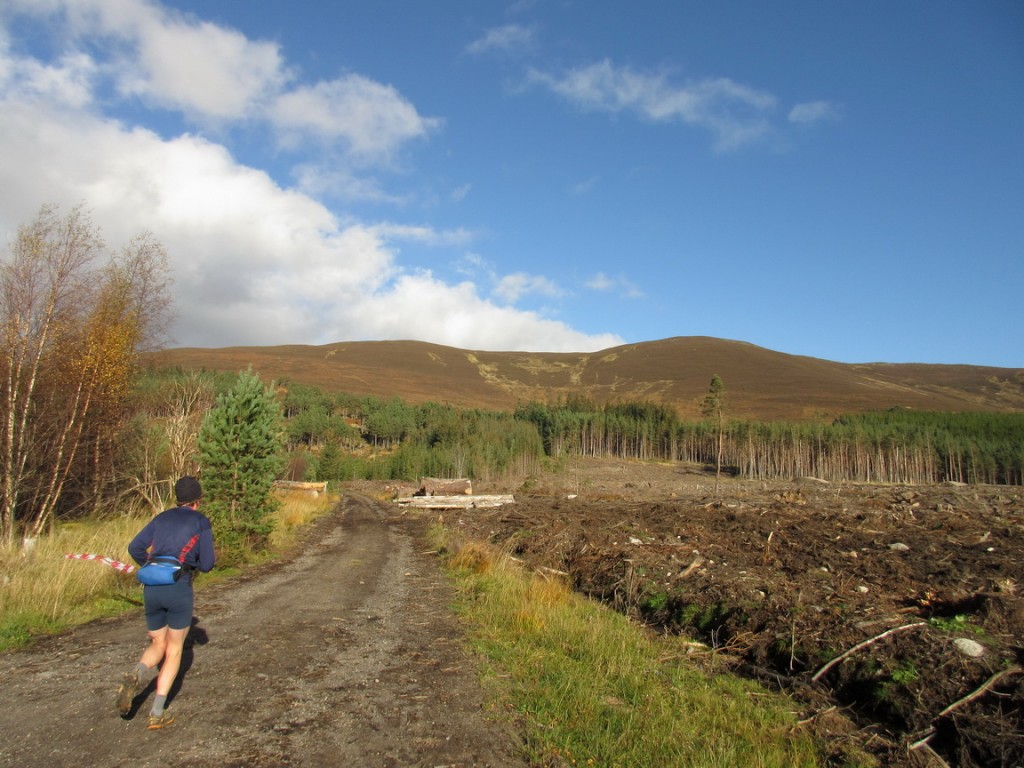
895,446
336,436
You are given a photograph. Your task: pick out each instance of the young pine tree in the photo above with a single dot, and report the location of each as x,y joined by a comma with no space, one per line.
241,450
713,406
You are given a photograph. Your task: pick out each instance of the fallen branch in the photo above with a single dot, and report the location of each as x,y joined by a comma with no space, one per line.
818,675
697,563
544,571
922,743
815,716
980,691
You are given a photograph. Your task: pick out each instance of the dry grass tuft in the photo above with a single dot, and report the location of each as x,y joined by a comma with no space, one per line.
298,509
473,557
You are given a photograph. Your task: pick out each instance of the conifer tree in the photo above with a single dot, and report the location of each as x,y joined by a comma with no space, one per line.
713,406
241,452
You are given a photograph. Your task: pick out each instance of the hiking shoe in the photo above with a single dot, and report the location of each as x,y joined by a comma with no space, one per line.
126,693
159,721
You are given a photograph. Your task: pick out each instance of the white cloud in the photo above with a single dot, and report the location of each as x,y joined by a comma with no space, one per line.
511,288
253,262
422,234
423,308
203,69
734,113
511,38
217,76
507,289
340,182
68,82
373,119
168,59
602,283
813,112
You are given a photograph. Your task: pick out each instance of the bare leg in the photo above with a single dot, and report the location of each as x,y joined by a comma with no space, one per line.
154,653
170,644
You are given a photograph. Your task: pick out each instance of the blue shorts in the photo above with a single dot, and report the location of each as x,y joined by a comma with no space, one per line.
169,606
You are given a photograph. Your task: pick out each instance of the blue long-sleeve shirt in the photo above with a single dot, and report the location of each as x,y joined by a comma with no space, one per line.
180,532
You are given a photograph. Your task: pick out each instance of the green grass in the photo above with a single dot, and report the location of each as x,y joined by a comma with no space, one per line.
593,688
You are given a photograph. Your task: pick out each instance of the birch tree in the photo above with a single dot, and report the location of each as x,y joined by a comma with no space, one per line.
72,320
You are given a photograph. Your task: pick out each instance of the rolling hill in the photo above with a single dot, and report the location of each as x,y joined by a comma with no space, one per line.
760,383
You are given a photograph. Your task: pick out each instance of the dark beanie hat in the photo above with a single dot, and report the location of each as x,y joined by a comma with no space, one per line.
187,490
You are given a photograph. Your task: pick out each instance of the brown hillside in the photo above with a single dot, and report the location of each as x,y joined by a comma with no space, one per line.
760,383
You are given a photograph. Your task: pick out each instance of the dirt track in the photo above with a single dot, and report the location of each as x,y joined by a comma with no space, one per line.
346,654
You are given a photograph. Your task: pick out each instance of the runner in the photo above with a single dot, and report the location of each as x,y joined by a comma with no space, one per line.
183,533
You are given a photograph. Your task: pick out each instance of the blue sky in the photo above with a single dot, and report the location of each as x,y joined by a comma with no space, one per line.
838,180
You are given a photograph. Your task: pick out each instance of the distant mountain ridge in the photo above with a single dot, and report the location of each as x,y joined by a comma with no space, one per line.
760,383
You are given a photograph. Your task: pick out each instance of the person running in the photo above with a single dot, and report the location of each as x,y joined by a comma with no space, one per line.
183,533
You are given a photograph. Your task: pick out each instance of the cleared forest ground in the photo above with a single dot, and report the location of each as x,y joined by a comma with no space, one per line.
913,592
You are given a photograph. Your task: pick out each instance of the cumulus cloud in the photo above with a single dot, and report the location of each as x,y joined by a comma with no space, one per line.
217,76
736,114
201,68
458,316
165,58
253,262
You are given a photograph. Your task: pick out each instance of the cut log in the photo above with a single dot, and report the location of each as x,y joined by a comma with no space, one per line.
456,502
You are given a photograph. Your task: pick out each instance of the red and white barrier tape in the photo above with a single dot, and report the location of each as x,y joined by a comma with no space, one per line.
117,565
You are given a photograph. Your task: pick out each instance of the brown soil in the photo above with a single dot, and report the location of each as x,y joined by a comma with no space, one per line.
778,579
345,654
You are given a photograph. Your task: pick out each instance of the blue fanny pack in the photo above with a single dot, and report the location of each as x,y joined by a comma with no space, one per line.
159,572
